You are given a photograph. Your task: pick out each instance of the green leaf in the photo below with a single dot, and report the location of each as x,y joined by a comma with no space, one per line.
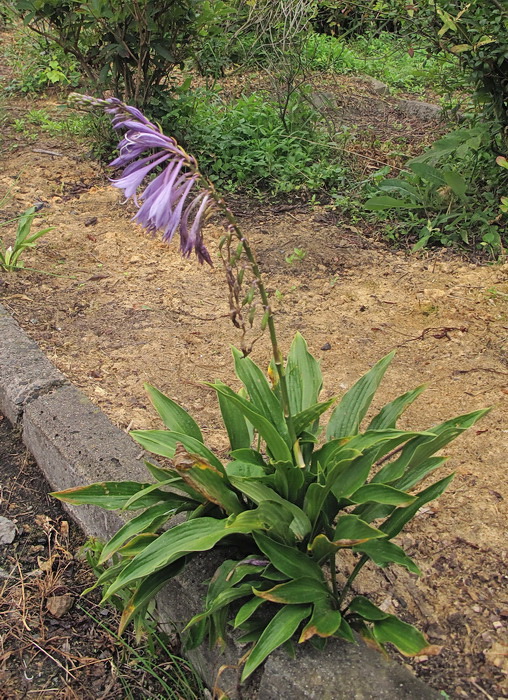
248,455
455,182
209,482
260,393
164,442
288,560
363,607
247,610
324,621
408,640
427,172
301,590
383,552
197,535
113,495
137,544
174,417
346,418
350,530
275,443
307,417
246,470
385,202
258,493
400,516
146,590
223,599
148,521
280,628
381,493
303,376
389,414
238,429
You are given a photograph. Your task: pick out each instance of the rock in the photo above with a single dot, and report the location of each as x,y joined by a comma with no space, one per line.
59,605
377,86
7,531
422,110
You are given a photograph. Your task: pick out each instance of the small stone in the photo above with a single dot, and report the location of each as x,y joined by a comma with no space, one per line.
326,346
91,221
59,605
8,531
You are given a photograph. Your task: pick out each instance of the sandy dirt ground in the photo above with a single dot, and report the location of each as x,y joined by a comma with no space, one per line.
114,309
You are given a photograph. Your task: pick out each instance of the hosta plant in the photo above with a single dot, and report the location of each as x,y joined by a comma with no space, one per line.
289,498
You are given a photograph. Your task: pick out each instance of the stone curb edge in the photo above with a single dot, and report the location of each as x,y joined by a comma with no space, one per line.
75,443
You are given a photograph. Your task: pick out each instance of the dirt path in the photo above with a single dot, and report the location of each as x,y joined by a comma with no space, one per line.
127,310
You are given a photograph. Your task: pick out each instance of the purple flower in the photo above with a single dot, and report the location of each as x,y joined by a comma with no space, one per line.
172,201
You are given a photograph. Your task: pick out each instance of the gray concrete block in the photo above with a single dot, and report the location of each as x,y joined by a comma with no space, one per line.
25,372
343,671
423,110
377,86
75,444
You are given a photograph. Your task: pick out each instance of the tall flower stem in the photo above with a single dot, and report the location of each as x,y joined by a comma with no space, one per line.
277,355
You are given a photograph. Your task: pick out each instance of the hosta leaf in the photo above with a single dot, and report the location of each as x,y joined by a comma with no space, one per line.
150,520
260,393
381,493
419,472
288,560
280,628
247,610
350,530
275,443
250,456
344,631
383,552
112,495
239,431
137,544
362,606
389,414
147,589
408,640
258,493
324,622
174,417
400,516
247,470
303,376
164,442
346,418
222,600
321,548
197,535
208,481
301,590
162,474
347,476
306,418
287,480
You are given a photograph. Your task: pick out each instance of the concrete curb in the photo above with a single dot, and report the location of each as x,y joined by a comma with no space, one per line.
75,443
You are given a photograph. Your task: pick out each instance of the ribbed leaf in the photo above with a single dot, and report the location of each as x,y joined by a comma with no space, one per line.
346,418
383,552
301,590
164,442
258,493
380,493
174,417
350,530
288,560
223,599
208,481
408,640
306,418
275,443
324,621
303,376
362,606
247,610
147,589
112,495
260,393
280,628
389,414
148,521
239,431
137,544
400,516
247,470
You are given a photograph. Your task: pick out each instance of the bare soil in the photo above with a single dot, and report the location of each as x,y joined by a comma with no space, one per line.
124,309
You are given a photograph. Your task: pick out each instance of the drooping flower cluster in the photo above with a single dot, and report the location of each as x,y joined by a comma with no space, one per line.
173,200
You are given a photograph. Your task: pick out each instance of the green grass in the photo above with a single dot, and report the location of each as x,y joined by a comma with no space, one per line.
386,57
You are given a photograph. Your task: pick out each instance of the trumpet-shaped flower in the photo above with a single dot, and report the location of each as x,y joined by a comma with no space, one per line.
173,200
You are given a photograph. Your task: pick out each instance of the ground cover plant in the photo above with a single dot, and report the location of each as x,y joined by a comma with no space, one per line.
289,502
